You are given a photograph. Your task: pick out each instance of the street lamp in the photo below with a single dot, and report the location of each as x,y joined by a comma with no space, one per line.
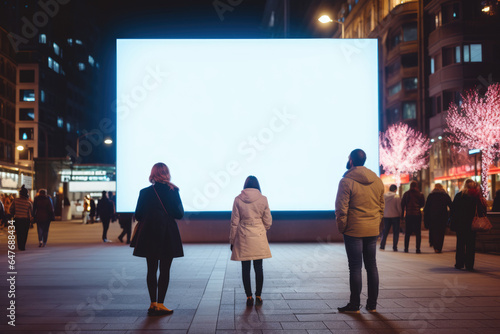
107,141
326,19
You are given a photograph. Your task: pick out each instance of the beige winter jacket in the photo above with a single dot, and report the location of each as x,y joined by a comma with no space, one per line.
359,206
250,220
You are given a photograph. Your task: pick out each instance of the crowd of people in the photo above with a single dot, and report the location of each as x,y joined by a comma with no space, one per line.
360,206
439,213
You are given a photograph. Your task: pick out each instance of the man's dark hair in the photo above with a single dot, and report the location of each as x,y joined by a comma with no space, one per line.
358,157
393,187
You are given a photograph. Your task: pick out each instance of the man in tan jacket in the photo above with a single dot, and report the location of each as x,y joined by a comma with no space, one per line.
359,209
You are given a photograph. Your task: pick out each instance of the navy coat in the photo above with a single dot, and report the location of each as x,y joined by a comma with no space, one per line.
159,237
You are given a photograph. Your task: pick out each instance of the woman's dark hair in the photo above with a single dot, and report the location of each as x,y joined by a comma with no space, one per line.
252,182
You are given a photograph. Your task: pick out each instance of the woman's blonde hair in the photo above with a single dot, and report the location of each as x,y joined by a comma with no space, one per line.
468,185
439,187
160,173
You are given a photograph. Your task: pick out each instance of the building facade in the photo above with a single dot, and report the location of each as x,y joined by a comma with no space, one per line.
430,52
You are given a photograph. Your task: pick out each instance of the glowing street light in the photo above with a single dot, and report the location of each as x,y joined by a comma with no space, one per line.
108,141
326,19
20,148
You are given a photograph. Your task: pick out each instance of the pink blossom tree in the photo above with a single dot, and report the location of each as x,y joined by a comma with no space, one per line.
403,150
475,124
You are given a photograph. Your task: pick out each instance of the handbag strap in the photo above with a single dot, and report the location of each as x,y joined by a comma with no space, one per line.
160,200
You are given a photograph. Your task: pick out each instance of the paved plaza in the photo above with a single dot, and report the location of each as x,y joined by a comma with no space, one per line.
79,285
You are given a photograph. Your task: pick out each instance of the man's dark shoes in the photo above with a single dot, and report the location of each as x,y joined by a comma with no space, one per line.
418,251
458,266
371,308
349,308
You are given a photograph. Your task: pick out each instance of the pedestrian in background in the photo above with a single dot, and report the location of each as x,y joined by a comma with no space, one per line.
159,240
250,220
496,202
436,216
22,210
43,212
86,209
125,220
105,210
411,204
392,217
466,204
92,210
359,208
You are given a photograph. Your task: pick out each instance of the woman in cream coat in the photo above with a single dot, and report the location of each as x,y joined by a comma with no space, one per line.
250,220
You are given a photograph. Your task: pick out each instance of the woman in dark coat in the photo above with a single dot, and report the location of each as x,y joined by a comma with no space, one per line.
463,210
436,216
43,211
159,240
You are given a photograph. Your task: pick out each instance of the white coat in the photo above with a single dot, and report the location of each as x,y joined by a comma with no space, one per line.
250,220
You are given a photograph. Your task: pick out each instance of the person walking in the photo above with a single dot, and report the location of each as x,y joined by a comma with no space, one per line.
466,204
125,220
159,240
413,200
92,210
43,212
250,220
496,202
392,217
86,209
105,210
436,216
359,208
22,210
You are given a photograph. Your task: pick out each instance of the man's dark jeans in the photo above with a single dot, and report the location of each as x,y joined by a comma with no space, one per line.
361,250
388,222
413,226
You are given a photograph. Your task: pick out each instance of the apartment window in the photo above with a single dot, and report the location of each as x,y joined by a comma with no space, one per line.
410,32
70,41
394,89
68,127
457,54
395,40
42,39
409,60
79,42
437,20
42,95
410,83
81,66
91,60
27,95
26,76
432,65
409,110
57,50
26,154
26,114
393,69
26,134
473,53
60,122
393,116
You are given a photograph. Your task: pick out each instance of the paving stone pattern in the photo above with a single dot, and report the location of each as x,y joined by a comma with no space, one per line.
78,284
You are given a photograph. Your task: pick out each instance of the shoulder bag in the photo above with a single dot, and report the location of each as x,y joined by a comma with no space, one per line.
481,224
138,226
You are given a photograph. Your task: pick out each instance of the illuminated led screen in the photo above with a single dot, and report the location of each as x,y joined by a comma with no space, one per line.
288,111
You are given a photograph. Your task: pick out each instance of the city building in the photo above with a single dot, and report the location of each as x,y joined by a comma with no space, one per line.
430,52
59,100
12,175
